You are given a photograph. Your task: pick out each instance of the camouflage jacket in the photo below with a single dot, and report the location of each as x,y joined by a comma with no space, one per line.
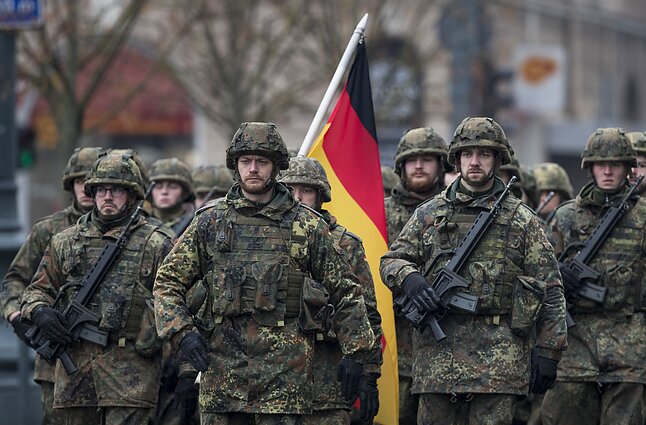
608,343
23,268
512,268
126,372
327,392
399,208
255,259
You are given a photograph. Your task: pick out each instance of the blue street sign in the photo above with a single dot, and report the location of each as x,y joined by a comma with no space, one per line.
19,14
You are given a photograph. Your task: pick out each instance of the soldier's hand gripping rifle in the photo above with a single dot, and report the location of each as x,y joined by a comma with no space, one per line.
80,320
447,282
575,272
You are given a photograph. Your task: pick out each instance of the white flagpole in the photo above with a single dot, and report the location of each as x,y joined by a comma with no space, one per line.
331,89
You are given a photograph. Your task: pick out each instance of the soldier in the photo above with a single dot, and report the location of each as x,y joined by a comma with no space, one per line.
211,182
24,265
389,179
551,177
118,383
173,187
474,375
272,269
420,162
638,140
309,181
602,374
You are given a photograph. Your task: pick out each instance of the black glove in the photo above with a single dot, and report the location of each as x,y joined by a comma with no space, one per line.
187,394
570,283
169,374
52,324
20,328
543,374
368,397
193,347
421,293
349,374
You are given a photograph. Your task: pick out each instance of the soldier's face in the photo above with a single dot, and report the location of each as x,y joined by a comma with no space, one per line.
609,175
306,194
421,172
551,205
79,193
167,194
476,167
639,170
255,172
110,204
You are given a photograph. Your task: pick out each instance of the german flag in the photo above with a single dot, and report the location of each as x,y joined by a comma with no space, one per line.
347,148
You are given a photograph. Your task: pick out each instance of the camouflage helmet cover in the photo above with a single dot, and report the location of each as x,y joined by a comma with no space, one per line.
217,177
638,139
551,176
172,169
79,165
417,141
608,144
310,172
258,138
480,132
514,168
117,170
138,160
389,178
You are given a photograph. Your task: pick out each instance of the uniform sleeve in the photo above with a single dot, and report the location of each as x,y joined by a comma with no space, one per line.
22,270
541,264
328,265
404,256
46,282
360,268
174,277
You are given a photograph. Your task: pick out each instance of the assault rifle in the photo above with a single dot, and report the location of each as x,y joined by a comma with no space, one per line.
585,277
447,282
547,199
80,320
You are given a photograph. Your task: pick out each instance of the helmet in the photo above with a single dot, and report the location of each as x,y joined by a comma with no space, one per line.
514,169
551,176
140,163
388,178
115,169
480,132
638,139
207,177
310,172
79,165
416,141
258,138
174,170
608,144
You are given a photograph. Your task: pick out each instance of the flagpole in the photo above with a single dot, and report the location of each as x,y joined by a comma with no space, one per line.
331,89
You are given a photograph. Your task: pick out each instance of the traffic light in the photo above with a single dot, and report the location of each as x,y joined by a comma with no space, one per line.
26,155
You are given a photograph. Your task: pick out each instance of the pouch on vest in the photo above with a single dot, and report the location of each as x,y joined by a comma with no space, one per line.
315,310
112,304
199,305
227,286
148,342
270,293
526,302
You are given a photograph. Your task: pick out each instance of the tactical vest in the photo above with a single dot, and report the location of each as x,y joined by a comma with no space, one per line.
250,267
121,297
493,265
619,260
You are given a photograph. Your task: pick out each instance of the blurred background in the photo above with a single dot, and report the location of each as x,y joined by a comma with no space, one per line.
170,78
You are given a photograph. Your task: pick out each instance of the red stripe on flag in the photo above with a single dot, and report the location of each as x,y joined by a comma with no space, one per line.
351,150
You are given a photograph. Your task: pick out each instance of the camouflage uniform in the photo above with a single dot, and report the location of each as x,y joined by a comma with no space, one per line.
122,377
481,357
399,207
602,375
258,259
216,178
638,140
389,179
172,169
552,177
25,263
329,406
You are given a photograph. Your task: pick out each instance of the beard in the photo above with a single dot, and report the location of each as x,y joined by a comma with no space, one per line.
419,185
257,188
479,181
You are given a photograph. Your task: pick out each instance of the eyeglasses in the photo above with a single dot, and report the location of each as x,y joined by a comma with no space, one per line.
116,191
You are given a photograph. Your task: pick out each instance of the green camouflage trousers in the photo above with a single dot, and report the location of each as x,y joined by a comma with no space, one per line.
51,416
588,403
106,415
466,409
407,402
328,417
249,419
